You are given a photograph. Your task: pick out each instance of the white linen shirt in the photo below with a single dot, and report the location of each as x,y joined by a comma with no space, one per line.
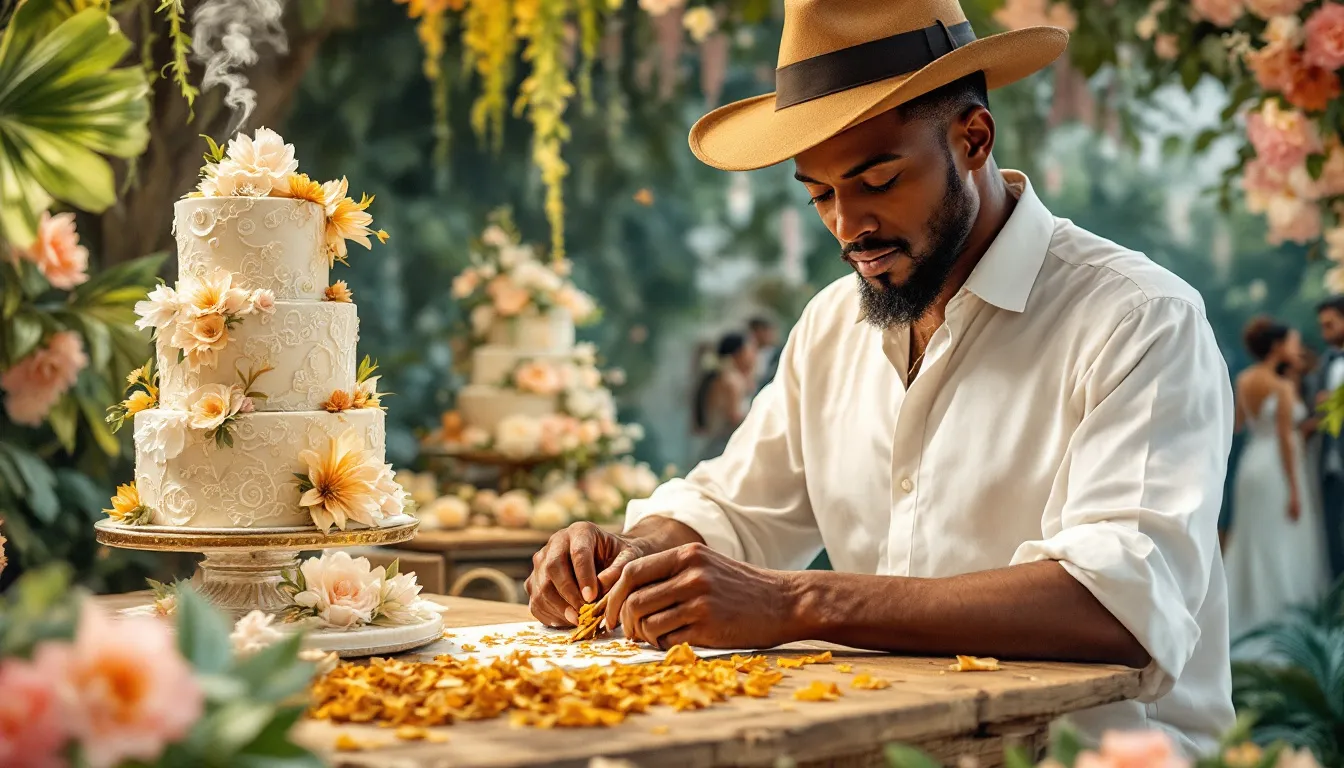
1074,406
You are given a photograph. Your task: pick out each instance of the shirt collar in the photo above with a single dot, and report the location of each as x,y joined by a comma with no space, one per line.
1006,273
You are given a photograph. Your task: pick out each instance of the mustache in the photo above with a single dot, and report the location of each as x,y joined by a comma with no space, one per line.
869,244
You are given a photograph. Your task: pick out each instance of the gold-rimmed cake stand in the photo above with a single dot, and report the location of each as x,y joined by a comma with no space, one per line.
242,570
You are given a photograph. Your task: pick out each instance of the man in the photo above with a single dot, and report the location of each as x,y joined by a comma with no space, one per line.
1009,435
1328,377
766,336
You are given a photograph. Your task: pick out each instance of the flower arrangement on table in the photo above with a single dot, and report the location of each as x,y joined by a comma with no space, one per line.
86,689
337,591
599,494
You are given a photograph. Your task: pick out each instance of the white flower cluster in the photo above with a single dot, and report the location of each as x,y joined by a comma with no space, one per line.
507,280
340,591
199,312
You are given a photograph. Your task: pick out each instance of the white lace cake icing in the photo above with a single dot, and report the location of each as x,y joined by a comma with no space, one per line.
248,485
272,243
310,345
493,366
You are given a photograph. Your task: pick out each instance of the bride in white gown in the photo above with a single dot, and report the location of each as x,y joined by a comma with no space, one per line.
1276,551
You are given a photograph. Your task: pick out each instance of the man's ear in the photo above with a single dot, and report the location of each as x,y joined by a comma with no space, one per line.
973,135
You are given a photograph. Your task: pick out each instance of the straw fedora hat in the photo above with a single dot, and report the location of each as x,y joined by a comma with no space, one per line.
842,62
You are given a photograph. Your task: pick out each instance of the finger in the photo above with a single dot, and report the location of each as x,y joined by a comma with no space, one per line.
636,574
661,626
560,573
649,600
687,634
581,545
548,607
612,572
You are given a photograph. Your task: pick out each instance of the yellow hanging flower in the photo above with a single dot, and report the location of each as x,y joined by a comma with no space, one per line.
126,507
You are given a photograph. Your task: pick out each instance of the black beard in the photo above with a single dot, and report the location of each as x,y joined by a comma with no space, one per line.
896,305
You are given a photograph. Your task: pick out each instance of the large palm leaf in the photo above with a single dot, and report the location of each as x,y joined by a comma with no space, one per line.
62,102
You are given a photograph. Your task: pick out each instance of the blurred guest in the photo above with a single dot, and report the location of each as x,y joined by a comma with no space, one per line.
1275,553
1329,458
725,391
766,336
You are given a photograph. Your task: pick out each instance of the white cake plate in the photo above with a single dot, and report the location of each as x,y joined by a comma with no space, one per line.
243,568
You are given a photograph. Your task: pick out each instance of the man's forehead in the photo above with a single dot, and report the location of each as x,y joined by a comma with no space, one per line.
887,133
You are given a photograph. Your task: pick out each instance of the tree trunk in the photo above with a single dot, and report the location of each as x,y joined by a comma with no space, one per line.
141,221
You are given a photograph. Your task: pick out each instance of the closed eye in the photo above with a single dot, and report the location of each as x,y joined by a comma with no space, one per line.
882,187
823,197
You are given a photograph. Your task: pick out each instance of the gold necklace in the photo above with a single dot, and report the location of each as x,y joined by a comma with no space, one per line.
909,374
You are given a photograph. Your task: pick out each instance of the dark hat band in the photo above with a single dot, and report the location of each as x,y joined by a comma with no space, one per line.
867,63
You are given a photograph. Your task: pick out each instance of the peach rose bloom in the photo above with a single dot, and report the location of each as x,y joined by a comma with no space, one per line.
1311,88
1331,182
1222,13
513,510
508,297
1167,47
1293,219
1274,65
57,252
1268,9
1325,37
1140,749
34,385
538,377
32,729
1282,137
126,690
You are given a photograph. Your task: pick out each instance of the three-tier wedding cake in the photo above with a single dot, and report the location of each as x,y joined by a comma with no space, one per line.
254,412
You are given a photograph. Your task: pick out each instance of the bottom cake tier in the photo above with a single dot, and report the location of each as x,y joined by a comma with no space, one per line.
251,484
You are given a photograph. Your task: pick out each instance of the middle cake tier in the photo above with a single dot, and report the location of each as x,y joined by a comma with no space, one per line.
310,345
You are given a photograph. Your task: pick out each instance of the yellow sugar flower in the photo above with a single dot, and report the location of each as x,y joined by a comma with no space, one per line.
139,400
341,484
126,507
339,291
300,187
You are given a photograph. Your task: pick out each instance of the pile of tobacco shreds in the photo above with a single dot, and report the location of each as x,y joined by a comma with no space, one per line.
439,692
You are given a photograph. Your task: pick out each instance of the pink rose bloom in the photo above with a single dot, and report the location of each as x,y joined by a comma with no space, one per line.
32,731
1140,749
57,252
1268,9
34,385
1274,65
1282,137
1325,37
1223,13
1293,219
127,692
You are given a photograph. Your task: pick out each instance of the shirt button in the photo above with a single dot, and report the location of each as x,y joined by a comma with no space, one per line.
907,485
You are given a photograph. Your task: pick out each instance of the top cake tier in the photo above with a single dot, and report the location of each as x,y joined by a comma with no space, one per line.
266,242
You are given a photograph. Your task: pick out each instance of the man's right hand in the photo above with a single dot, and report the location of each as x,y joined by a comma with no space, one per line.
577,565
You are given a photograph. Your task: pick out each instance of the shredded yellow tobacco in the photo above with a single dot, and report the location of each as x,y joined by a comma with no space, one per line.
973,664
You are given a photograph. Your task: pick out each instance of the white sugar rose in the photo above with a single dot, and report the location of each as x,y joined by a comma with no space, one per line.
549,515
585,353
232,179
449,512
582,403
254,632
202,221
159,310
263,301
393,498
514,509
589,432
518,436
532,274
590,377
400,594
162,435
264,161
342,591
494,236
579,304
482,318
211,405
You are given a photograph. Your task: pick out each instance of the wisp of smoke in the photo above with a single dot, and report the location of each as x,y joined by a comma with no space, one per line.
225,35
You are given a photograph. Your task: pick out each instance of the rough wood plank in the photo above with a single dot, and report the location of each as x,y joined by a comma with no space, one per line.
948,713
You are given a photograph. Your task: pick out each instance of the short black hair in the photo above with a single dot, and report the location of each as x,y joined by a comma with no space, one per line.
949,102
759,323
1335,302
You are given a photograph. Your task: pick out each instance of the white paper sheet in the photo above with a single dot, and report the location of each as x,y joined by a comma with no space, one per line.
498,640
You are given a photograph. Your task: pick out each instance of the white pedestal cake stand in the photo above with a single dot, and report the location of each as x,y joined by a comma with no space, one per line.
243,568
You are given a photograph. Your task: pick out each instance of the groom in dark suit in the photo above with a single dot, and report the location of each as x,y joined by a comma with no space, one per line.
1328,377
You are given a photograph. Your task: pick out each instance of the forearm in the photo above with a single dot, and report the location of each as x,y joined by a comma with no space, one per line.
1286,454
658,533
1030,611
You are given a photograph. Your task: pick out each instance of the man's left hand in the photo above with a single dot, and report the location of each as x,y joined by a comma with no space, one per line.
692,594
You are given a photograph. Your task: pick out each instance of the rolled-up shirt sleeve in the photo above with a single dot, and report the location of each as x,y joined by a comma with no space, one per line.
1143,481
751,503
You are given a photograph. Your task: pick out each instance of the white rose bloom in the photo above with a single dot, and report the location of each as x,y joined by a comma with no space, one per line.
518,436
514,509
590,377
254,632
394,498
400,594
582,403
495,237
211,404
604,497
549,515
263,301
343,591
446,512
585,353
264,161
634,431
162,436
159,310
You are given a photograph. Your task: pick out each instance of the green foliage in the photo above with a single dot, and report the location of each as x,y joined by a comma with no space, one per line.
1296,695
62,103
